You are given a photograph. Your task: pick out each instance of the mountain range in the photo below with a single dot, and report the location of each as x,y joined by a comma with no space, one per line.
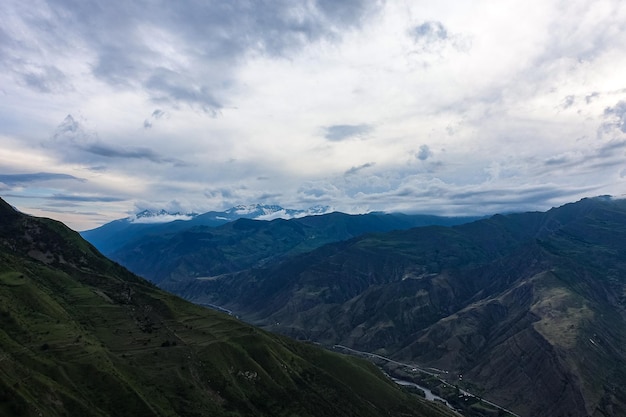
211,245
82,336
111,237
528,309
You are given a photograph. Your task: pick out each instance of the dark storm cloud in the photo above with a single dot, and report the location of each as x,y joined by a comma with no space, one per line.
337,133
354,170
20,179
212,36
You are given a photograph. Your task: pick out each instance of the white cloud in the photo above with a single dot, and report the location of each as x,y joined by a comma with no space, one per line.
332,103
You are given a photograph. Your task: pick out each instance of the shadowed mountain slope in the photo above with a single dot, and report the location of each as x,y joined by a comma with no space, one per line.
529,308
82,336
168,255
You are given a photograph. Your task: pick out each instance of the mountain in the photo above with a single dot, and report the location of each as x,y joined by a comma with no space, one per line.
527,309
270,212
82,336
169,258
160,216
111,236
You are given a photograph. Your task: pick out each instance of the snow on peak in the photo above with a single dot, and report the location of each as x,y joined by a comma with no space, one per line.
271,212
159,216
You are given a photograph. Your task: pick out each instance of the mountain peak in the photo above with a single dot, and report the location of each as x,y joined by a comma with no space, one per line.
271,211
7,211
160,216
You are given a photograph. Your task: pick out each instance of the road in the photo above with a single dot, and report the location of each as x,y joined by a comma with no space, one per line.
414,367
218,308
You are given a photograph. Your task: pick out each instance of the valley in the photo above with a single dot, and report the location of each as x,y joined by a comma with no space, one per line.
81,335
528,307
315,208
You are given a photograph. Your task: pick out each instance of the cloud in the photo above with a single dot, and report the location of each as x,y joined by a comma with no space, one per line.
302,97
315,191
568,101
429,32
432,37
348,12
355,170
558,160
612,148
586,162
22,179
424,153
72,141
337,133
181,53
85,198
107,151
616,116
45,79
156,115
170,87
591,97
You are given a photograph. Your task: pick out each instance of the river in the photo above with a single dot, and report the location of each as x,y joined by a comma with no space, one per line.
429,394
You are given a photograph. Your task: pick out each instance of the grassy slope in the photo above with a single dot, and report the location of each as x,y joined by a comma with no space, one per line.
82,336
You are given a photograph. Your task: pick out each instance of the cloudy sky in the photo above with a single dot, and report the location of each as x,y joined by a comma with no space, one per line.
447,107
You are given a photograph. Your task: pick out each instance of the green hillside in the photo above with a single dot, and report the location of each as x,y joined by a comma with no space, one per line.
81,336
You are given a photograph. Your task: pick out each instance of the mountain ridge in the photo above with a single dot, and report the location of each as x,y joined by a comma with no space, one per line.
205,251
540,295
111,236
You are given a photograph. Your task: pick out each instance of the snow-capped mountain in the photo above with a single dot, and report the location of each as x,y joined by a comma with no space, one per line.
251,211
112,235
159,216
271,212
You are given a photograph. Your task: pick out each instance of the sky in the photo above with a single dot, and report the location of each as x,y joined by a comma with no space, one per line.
449,107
